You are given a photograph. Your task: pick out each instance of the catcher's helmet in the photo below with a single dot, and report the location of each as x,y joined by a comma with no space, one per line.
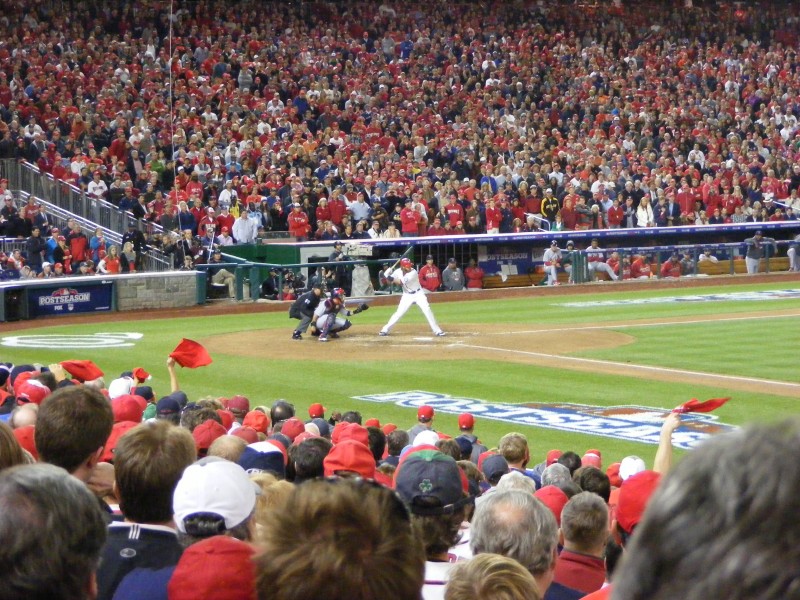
337,293
405,262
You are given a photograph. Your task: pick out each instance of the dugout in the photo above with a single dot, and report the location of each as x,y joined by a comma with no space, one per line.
520,254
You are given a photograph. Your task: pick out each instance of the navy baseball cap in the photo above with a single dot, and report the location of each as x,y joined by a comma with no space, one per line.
254,461
168,405
430,483
494,467
323,426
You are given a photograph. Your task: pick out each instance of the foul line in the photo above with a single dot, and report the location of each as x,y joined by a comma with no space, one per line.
651,324
629,366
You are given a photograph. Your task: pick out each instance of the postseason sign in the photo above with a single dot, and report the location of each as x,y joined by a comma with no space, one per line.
629,423
64,300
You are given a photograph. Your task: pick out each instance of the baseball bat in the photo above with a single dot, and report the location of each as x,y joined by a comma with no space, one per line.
397,262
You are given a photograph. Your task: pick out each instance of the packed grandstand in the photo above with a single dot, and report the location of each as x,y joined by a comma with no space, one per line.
551,115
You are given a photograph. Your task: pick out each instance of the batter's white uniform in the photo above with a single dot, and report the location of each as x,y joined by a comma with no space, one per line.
412,294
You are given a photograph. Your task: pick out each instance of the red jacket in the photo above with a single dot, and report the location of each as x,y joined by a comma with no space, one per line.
78,246
298,224
338,210
430,277
410,220
615,216
493,218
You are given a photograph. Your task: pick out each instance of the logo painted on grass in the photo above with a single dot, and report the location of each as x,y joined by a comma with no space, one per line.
93,340
630,423
733,296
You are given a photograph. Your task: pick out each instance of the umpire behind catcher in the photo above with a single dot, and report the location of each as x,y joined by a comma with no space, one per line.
303,309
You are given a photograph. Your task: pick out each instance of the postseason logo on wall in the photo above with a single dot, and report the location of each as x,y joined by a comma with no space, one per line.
66,300
630,423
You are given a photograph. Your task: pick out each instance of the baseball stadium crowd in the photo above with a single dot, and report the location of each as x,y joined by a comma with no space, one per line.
347,121
226,119
108,491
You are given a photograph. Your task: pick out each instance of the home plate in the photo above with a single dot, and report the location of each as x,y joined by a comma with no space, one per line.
422,339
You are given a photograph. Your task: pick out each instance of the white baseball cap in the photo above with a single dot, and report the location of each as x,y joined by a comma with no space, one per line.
424,438
631,465
219,487
120,387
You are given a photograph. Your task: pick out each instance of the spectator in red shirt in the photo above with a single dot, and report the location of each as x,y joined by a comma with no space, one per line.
584,531
410,220
297,220
430,276
493,217
436,228
616,214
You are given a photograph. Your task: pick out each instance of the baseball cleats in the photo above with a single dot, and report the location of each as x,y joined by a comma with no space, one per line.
296,336
440,334
383,333
323,338
334,335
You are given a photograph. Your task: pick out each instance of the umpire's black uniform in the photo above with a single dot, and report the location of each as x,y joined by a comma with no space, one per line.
303,308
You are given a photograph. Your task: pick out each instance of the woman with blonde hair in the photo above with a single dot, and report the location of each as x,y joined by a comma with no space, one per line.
127,259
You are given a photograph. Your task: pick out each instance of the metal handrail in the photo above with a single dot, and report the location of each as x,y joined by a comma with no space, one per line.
66,201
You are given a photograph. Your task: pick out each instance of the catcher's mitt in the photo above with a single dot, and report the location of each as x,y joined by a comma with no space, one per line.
361,308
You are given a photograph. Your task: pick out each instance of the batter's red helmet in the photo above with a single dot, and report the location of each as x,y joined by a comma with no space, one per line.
405,262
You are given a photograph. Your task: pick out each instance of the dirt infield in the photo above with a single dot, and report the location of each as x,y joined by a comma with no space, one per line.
534,344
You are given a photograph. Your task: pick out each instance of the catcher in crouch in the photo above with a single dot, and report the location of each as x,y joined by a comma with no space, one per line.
330,315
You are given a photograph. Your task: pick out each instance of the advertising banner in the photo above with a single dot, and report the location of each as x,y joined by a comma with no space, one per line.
68,299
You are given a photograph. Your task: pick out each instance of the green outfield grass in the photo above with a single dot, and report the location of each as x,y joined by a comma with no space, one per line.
764,349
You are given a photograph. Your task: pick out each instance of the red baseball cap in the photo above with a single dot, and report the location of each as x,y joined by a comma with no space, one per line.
205,434
31,391
372,423
248,434
466,421
117,431
257,420
350,455
126,408
316,411
592,458
227,418
553,456
634,495
425,412
238,402
554,499
292,428
219,567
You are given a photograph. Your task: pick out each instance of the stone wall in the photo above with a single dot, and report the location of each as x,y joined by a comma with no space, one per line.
172,289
